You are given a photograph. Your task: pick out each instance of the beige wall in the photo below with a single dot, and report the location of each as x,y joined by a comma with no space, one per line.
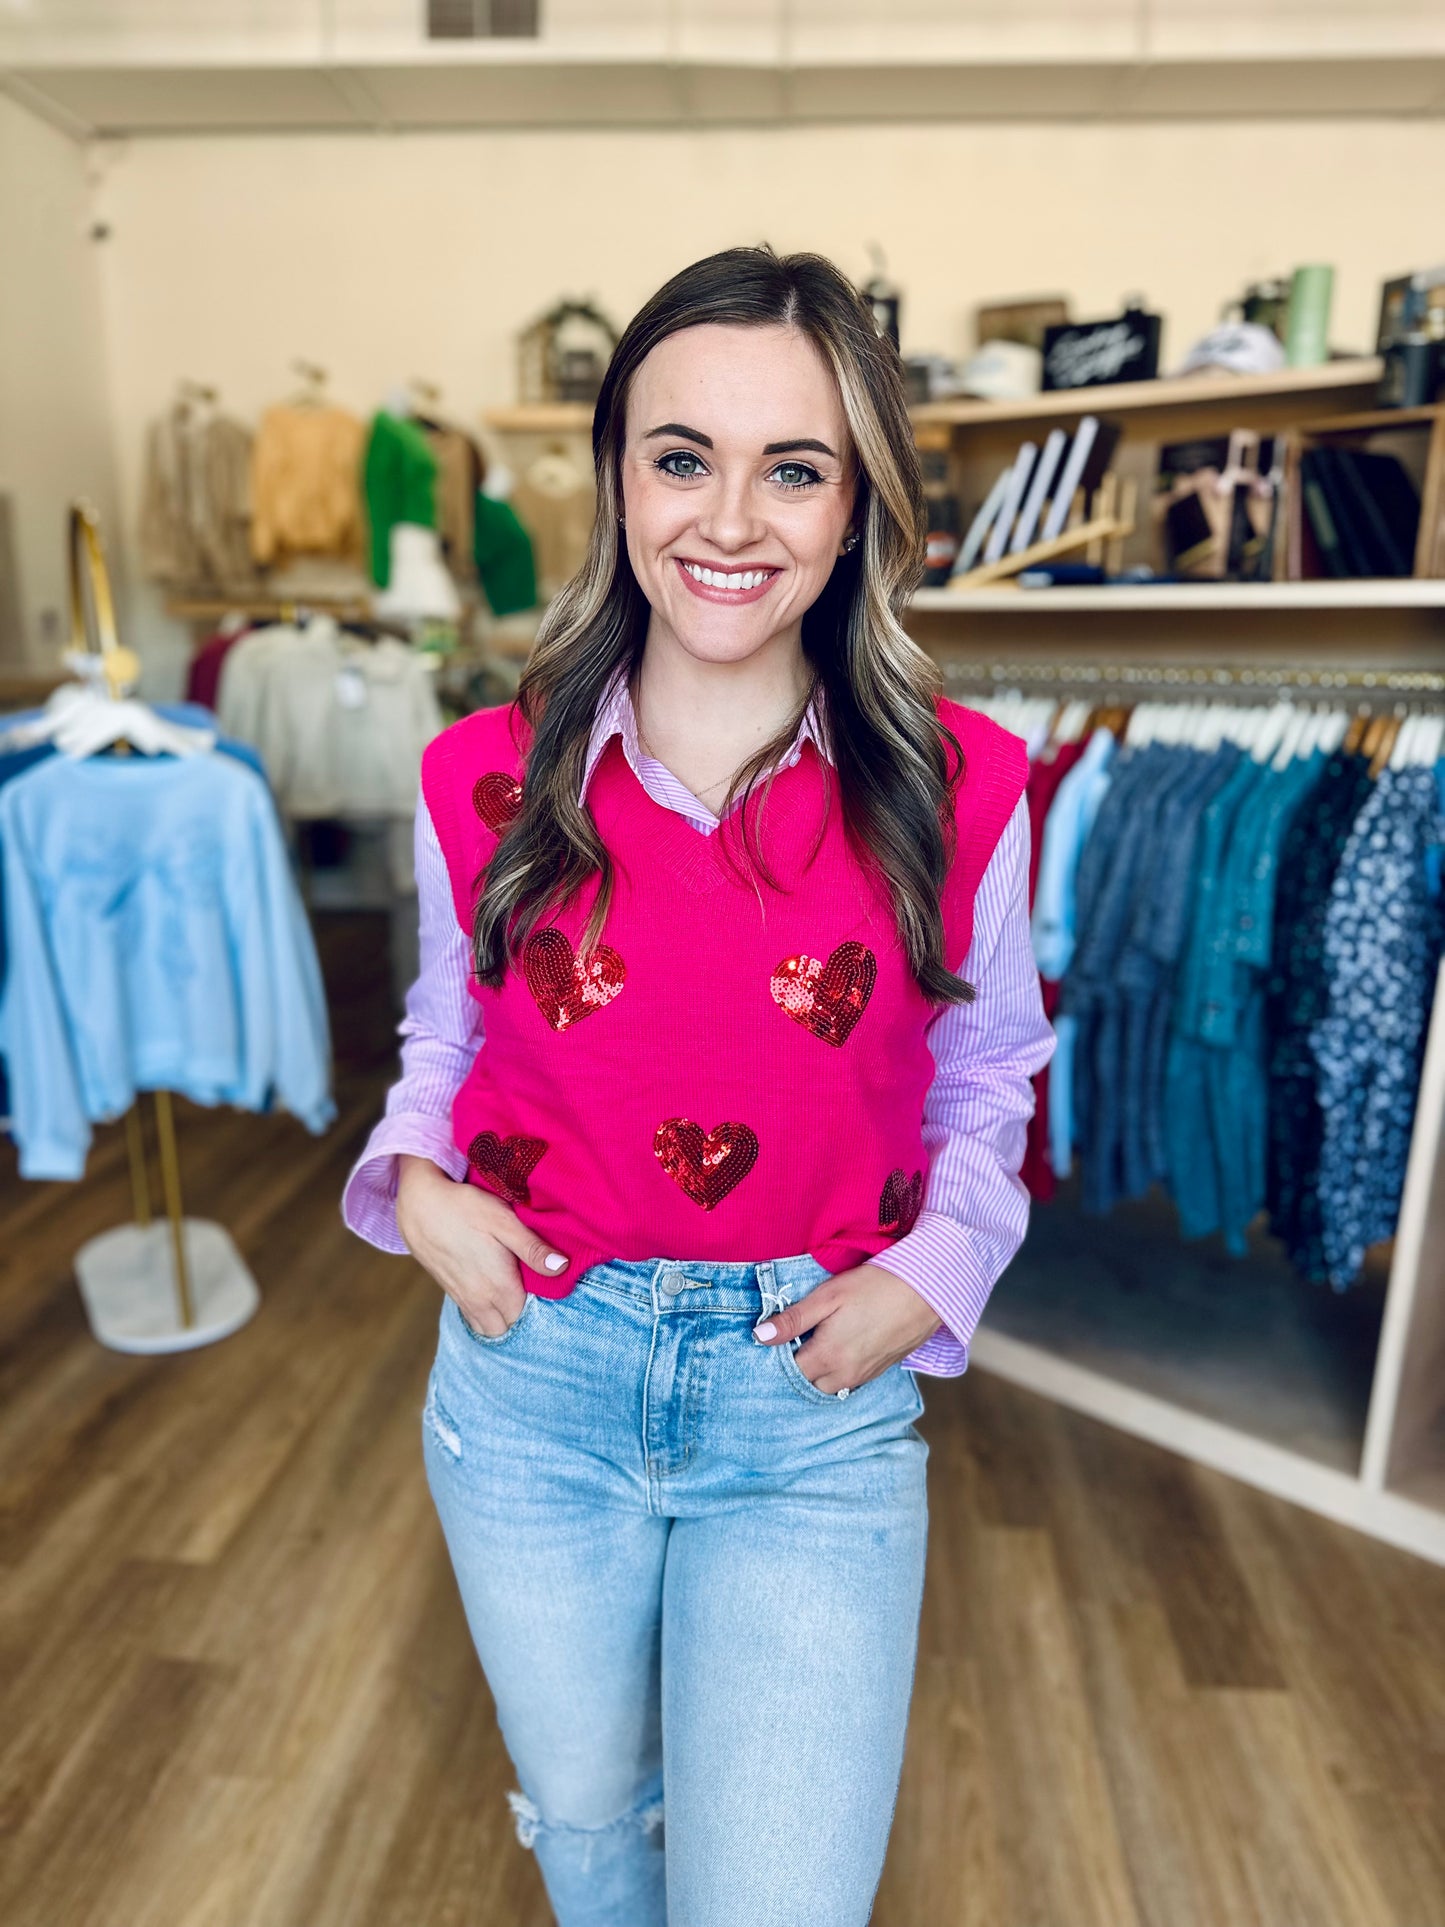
389,256
55,424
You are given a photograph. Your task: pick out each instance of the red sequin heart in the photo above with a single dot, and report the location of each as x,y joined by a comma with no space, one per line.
705,1165
497,799
826,998
901,1202
505,1164
568,987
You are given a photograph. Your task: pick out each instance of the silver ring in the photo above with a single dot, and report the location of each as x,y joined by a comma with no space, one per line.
844,1393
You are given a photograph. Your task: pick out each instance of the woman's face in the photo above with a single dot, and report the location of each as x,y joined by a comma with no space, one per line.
737,485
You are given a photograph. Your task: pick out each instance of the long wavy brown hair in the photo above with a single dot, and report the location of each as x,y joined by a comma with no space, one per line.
895,764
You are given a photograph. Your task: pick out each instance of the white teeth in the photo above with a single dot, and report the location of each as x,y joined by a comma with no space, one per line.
716,579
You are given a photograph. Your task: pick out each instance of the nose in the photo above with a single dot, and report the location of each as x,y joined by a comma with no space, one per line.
730,520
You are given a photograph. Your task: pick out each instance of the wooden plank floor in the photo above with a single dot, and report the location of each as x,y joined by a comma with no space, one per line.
236,1688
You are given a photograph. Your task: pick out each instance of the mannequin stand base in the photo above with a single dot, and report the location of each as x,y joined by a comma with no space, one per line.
128,1287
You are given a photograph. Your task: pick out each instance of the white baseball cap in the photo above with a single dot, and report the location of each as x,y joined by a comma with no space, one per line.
1241,347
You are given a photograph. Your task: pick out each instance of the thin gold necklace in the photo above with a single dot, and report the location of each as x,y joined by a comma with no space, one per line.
647,750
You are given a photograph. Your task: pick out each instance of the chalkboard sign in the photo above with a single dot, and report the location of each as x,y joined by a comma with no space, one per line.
1092,354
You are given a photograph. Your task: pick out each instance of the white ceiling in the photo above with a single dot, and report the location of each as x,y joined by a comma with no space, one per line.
101,67
141,100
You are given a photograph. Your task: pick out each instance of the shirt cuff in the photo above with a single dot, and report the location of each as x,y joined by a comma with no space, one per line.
368,1204
938,1259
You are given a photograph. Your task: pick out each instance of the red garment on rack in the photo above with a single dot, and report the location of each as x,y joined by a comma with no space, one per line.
203,681
1044,779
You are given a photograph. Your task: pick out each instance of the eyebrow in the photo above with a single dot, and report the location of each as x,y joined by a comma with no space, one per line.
705,441
679,428
789,448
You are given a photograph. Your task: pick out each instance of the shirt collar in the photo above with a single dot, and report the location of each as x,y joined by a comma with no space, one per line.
617,717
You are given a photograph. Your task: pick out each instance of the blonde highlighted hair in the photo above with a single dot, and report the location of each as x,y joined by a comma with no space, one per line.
895,764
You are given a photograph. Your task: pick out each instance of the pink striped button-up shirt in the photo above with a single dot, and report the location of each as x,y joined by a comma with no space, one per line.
976,1114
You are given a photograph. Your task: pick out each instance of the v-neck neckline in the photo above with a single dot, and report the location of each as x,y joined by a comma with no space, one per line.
693,856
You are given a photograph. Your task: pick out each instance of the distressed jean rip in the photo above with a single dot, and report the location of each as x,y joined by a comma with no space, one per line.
442,1425
645,1818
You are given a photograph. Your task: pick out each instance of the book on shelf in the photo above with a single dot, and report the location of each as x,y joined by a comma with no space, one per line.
1048,464
1362,511
979,527
1012,502
1031,498
1089,456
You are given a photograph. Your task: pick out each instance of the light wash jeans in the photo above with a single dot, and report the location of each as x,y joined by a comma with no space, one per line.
693,1581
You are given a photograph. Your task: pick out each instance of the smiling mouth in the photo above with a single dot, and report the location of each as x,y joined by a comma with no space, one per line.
726,585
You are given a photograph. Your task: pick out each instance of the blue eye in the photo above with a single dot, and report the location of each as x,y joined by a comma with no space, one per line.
796,475
682,463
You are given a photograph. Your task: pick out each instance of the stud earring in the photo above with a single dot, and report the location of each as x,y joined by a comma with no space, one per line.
850,542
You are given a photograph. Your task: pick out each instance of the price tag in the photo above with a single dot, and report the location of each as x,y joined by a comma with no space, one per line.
350,688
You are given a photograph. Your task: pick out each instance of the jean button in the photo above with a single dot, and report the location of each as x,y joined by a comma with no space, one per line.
672,1283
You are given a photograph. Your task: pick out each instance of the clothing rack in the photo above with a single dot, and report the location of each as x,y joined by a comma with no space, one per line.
1195,679
134,1299
1282,1411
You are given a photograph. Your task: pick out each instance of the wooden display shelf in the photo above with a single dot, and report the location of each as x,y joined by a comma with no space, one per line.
1375,421
266,608
1336,400
28,688
1155,598
1356,377
541,418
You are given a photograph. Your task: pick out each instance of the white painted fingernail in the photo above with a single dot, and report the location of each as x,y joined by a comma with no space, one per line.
554,1261
765,1330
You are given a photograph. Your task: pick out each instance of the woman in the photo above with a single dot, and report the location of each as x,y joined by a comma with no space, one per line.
703,890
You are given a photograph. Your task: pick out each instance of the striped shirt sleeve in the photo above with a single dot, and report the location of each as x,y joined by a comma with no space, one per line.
976,1116
441,1034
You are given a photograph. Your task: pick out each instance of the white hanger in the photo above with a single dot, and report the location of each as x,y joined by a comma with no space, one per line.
1294,739
1272,725
81,719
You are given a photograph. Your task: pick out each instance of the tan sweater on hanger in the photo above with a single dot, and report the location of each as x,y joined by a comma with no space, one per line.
459,476
196,501
305,483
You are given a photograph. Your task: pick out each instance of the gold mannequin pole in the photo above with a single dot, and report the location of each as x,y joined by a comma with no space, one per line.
171,1185
135,1145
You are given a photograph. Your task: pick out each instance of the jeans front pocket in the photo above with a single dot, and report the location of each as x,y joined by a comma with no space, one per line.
798,1378
896,1383
502,1338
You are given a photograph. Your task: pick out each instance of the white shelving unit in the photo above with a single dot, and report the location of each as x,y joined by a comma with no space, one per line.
1336,1402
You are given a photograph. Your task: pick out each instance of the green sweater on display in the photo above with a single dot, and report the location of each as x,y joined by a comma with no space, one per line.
504,558
398,475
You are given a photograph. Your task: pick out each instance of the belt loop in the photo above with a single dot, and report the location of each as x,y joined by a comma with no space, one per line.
773,1299
663,1266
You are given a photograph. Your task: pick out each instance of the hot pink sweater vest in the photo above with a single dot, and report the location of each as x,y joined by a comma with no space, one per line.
737,1073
